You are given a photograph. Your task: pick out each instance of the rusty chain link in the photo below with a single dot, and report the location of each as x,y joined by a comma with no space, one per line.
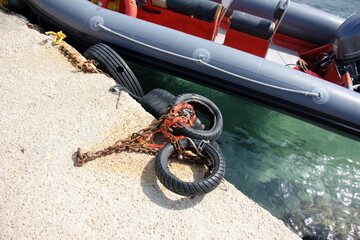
137,143
130,144
134,143
77,60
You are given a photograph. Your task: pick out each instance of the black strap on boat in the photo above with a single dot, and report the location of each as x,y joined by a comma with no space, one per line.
140,4
149,11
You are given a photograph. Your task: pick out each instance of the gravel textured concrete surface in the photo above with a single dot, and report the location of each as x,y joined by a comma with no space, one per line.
49,109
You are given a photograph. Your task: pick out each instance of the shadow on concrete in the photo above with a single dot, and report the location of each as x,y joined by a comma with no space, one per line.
153,191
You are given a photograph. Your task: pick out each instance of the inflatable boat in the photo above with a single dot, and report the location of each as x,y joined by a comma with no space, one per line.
287,56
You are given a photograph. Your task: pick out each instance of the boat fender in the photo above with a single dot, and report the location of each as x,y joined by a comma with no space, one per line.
216,166
323,97
208,109
157,102
111,63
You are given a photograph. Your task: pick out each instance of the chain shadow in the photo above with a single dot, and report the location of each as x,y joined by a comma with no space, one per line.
152,190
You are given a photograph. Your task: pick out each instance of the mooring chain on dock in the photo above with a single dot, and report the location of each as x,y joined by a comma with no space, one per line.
73,55
76,59
130,144
123,146
143,141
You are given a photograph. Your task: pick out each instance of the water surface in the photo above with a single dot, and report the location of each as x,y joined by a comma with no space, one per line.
305,175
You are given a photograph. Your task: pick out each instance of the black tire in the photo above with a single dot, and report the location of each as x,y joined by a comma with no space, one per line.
216,146
111,63
198,124
209,110
199,187
157,102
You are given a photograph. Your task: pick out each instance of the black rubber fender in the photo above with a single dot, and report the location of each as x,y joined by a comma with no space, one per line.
200,187
111,63
209,110
157,102
216,146
198,124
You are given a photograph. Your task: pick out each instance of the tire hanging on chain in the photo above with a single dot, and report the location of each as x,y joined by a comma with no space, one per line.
144,141
111,63
216,165
209,110
159,101
147,139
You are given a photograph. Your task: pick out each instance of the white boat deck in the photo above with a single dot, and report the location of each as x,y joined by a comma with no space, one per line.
282,55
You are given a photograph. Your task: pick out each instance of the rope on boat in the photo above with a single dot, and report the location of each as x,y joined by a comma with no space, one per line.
305,93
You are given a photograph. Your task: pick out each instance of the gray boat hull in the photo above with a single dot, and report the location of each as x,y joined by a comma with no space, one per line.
338,108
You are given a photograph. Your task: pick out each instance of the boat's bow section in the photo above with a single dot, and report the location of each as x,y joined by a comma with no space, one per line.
210,64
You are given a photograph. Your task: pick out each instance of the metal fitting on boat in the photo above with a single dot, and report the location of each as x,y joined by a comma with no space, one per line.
323,96
95,22
202,54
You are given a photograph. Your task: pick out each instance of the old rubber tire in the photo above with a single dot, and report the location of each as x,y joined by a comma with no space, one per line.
216,146
111,63
199,187
157,102
209,110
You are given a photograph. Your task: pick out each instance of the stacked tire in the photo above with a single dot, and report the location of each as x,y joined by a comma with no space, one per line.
209,110
158,102
199,187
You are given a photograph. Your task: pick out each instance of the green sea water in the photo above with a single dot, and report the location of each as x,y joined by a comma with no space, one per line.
307,176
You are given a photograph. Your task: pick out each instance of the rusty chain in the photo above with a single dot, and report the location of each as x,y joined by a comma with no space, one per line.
130,144
77,60
137,143
122,147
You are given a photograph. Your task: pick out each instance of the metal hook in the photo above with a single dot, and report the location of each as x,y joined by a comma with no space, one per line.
203,144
